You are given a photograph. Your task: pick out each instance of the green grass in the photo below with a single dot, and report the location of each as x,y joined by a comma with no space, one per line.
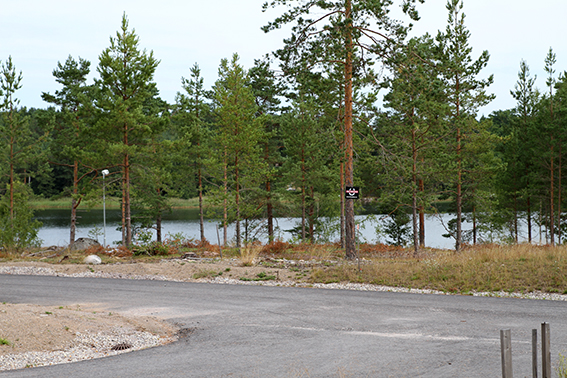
262,276
111,203
4,342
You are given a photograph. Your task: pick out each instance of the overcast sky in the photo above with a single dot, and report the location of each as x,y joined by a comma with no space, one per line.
38,34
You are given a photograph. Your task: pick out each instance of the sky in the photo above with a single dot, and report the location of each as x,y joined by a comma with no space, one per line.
37,34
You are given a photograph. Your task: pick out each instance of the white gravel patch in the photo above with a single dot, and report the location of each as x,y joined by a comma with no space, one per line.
86,346
369,287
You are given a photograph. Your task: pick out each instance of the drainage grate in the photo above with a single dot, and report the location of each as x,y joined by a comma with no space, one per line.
121,346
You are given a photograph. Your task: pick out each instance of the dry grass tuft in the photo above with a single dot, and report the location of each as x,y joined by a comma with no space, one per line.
277,247
249,254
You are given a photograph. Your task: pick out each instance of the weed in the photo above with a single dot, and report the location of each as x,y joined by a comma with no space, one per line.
152,249
561,369
262,276
204,274
48,312
4,341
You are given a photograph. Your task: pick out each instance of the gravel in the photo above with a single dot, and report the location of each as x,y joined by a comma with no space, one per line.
86,346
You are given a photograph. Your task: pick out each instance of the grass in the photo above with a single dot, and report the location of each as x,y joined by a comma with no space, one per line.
262,276
39,203
249,254
4,341
522,268
561,368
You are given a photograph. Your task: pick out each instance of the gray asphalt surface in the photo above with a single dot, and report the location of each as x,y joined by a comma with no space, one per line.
255,331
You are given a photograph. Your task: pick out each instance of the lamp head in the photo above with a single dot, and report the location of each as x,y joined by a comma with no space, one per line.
105,172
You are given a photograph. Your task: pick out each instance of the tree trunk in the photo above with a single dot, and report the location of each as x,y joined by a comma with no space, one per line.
559,196
269,206
529,209
270,212
311,215
158,227
12,178
414,195
342,196
201,213
349,168
237,202
74,204
421,217
459,236
225,202
551,195
127,204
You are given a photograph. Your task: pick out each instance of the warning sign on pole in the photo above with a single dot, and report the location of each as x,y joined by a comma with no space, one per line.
352,192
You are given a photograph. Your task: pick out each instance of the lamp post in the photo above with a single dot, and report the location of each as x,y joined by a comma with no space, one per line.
104,173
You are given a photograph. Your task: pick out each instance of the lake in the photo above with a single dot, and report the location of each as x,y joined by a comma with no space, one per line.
56,222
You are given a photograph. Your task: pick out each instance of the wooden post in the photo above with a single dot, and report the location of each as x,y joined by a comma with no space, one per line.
218,237
545,351
506,349
534,353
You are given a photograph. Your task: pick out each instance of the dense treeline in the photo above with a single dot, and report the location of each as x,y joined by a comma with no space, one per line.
258,145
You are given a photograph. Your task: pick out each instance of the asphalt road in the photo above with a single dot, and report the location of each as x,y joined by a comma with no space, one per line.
255,331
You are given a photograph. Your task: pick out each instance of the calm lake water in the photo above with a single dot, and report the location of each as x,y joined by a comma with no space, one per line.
55,230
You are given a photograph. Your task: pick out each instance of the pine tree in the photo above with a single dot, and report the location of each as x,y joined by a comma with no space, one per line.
412,130
17,227
125,85
519,146
191,113
267,89
239,134
465,94
310,165
69,133
339,36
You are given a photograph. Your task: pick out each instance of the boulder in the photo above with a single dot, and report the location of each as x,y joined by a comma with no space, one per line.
84,243
92,259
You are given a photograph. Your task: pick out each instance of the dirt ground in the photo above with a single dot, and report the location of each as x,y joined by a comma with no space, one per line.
29,327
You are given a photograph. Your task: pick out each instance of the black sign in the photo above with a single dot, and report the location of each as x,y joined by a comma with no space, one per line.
352,192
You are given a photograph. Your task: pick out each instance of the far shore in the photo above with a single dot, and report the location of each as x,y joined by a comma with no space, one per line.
112,203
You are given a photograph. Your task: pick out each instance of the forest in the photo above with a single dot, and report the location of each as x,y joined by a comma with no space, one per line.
350,100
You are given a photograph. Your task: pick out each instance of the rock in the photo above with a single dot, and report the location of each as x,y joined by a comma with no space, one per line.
84,243
190,256
92,259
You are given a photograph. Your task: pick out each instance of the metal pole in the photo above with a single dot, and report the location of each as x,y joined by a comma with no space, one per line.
104,173
104,209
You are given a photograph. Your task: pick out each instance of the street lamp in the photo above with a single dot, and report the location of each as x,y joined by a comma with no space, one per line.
104,173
